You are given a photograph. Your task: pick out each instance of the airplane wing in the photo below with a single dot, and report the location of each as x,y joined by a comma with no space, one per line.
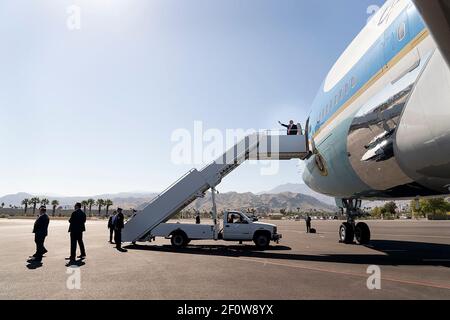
436,14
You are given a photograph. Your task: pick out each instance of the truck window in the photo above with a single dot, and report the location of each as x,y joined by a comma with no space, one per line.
235,218
230,218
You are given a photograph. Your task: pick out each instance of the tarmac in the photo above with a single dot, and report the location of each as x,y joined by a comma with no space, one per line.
413,258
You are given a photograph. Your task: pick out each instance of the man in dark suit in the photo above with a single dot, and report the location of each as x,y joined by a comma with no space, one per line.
40,230
292,129
308,224
111,226
118,226
77,227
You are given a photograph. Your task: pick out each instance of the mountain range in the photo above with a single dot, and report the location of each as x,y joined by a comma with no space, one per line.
123,199
288,197
302,189
262,203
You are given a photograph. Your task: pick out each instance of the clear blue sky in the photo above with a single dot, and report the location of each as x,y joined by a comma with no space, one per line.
92,111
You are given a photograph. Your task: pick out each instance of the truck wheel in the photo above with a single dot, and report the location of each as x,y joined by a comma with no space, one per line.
261,241
179,240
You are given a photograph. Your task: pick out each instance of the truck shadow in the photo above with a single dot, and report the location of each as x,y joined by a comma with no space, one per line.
392,253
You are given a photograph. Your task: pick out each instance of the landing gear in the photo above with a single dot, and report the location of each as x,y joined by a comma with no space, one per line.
362,233
349,230
346,233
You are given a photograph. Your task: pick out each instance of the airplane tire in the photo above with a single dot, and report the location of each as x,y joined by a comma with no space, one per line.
346,233
179,240
362,233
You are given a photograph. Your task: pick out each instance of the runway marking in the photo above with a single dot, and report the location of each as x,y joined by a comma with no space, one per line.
409,282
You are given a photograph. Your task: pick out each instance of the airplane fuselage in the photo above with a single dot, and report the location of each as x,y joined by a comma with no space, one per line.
380,125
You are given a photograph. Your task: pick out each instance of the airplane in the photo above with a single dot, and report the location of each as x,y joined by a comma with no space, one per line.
380,125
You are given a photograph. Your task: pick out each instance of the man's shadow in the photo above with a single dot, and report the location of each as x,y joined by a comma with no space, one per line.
34,263
76,263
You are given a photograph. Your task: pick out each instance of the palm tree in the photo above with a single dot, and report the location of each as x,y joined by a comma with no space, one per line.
90,202
108,203
55,203
84,203
34,201
25,204
100,204
45,202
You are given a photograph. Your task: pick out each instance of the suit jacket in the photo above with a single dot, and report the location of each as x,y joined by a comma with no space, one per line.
119,221
292,130
40,227
110,222
77,221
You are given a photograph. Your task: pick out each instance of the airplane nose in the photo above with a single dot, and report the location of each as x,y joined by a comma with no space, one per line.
422,144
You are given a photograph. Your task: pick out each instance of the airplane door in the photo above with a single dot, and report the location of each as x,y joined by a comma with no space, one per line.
307,134
396,37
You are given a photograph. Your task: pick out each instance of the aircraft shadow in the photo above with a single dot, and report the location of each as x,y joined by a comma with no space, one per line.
394,253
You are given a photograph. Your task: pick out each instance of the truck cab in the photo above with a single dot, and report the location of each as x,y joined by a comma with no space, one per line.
239,227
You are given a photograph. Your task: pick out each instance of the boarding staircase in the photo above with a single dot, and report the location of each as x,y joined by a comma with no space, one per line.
194,184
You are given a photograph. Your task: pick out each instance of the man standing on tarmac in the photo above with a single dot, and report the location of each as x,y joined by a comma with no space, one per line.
308,224
118,226
40,230
77,227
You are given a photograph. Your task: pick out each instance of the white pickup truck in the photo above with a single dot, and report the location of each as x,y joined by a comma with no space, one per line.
236,227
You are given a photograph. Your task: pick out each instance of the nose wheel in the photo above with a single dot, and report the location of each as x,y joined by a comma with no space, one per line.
350,231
